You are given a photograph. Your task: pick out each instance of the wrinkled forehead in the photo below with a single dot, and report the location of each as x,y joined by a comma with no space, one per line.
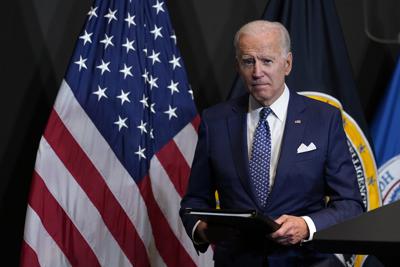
265,43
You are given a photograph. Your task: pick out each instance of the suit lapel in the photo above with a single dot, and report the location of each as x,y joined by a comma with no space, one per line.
292,137
237,126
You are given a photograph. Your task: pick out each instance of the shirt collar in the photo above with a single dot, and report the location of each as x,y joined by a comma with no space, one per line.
279,107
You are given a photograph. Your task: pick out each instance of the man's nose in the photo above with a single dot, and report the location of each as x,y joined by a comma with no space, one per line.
257,70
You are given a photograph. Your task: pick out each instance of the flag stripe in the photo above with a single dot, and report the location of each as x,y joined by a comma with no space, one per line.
168,199
196,122
173,254
113,215
110,168
36,236
186,141
59,226
175,165
78,207
29,257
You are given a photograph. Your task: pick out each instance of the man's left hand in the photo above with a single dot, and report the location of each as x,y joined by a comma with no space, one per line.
292,231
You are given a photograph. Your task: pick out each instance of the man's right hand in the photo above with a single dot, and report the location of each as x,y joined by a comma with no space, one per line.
214,233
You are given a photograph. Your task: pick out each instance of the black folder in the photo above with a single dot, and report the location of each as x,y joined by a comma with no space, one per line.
247,221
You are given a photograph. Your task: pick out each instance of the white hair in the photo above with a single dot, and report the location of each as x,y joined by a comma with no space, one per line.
261,26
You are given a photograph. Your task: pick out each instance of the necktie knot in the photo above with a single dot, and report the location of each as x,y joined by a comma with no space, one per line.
264,113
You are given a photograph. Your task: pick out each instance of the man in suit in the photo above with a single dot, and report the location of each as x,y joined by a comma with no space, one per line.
274,151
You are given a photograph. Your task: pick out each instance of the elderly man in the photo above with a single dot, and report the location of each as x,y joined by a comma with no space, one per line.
274,151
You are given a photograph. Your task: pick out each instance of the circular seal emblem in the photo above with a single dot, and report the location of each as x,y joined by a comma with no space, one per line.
363,161
389,180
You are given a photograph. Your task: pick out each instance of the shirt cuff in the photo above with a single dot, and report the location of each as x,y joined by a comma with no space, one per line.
311,227
196,242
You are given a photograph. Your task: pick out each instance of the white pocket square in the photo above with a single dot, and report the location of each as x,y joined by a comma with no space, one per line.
303,148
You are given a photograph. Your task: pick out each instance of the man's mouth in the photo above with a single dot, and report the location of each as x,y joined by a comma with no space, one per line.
256,85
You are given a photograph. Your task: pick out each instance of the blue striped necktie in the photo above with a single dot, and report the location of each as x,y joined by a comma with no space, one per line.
261,157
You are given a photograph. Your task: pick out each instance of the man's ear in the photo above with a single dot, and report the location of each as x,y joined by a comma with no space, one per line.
288,63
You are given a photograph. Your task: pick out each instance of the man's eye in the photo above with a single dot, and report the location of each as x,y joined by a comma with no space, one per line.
248,62
267,61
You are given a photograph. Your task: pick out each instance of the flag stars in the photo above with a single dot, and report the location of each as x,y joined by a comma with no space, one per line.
81,63
111,15
142,127
152,110
156,32
129,45
126,71
154,57
139,131
103,66
130,20
144,101
175,62
107,41
159,7
173,37
140,153
86,37
92,13
121,123
145,104
190,91
124,97
101,92
171,112
145,76
173,87
153,82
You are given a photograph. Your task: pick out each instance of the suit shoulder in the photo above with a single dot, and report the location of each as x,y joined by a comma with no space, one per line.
226,108
319,106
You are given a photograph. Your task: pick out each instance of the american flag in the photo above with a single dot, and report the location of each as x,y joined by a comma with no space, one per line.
114,159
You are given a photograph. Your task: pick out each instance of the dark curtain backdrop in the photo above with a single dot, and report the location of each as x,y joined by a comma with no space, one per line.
37,39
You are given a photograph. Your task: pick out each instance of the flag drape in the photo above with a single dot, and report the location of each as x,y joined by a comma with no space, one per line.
385,131
115,157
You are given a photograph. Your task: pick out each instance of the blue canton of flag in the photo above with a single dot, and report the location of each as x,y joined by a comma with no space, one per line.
114,160
136,90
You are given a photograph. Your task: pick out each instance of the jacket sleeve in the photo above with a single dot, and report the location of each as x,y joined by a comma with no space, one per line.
200,191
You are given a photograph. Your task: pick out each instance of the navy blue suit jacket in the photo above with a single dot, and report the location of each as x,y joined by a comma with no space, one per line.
302,181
